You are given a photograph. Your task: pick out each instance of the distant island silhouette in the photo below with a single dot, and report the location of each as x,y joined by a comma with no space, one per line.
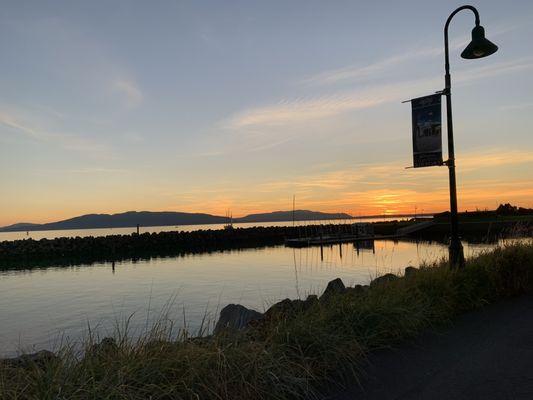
167,218
130,219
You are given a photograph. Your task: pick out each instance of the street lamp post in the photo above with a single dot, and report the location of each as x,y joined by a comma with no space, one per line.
479,47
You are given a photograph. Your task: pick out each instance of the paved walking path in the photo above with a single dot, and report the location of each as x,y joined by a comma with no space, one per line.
486,354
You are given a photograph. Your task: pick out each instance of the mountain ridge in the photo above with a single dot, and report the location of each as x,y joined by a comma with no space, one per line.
166,218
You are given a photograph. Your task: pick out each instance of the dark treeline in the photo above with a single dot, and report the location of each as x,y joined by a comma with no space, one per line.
478,231
503,210
29,253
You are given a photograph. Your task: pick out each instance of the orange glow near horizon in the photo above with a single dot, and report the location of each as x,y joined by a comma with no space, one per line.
403,202
485,181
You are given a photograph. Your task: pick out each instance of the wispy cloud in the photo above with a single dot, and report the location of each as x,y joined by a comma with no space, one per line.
97,170
67,141
355,73
12,122
394,173
384,187
505,67
494,158
270,125
518,106
129,89
304,109
70,53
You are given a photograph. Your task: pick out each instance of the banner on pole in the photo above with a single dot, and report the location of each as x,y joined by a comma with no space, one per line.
427,139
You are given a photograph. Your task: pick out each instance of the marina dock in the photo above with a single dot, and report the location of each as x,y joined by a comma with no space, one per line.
330,239
358,232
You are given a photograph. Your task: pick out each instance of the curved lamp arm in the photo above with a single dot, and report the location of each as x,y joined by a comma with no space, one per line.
446,55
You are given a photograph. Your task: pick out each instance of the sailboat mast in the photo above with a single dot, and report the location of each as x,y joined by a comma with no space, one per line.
293,205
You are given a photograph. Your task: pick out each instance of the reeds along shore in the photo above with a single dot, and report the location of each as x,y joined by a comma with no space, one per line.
295,353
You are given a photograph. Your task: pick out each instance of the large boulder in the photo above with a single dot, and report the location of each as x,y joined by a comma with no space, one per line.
410,271
357,289
288,308
384,279
335,287
39,359
235,317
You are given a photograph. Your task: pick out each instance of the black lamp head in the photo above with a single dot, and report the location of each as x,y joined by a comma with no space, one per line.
479,47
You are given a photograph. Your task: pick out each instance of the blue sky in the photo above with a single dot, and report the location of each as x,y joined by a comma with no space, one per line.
108,106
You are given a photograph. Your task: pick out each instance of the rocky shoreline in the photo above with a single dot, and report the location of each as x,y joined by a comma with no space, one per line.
233,319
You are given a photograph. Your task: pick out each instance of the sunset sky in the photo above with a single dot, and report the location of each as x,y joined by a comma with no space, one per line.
201,106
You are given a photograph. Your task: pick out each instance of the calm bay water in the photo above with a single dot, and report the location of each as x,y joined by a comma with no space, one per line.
39,307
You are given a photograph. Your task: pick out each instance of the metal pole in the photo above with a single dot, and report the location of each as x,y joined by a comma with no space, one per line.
456,255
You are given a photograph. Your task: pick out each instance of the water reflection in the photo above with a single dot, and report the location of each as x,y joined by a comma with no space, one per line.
38,305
